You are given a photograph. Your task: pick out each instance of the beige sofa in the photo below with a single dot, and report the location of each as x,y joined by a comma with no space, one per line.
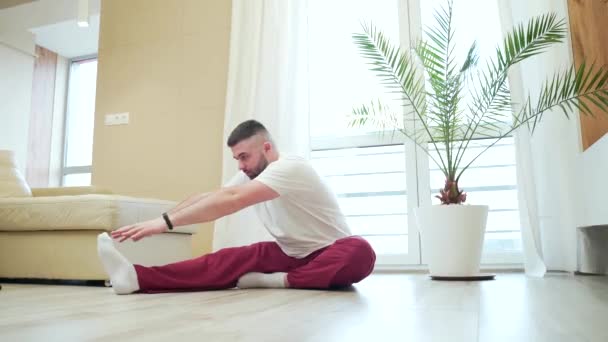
52,233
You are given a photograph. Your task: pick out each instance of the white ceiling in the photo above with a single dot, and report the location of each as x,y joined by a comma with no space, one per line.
13,3
68,39
53,24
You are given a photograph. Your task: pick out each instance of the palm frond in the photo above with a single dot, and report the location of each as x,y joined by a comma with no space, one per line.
395,68
398,72
379,115
445,79
492,101
581,89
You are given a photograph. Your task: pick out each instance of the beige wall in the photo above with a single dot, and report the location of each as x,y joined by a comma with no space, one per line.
164,62
16,70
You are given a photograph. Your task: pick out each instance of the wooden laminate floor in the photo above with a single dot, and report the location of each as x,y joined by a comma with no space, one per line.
384,307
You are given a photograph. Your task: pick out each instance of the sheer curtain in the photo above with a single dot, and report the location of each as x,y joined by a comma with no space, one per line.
546,160
267,81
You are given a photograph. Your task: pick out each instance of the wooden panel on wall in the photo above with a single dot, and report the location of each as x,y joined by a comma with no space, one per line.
588,20
41,118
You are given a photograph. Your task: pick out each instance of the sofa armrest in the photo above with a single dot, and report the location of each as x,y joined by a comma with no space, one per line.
83,212
69,191
148,209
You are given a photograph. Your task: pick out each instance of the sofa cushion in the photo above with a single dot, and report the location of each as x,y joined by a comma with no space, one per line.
70,191
12,183
83,212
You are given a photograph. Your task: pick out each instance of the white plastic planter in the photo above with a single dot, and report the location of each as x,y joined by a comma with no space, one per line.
452,238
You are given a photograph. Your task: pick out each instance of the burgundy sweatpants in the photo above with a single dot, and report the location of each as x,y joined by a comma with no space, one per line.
341,264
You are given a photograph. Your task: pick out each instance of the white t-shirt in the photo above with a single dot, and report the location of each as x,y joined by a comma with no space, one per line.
306,216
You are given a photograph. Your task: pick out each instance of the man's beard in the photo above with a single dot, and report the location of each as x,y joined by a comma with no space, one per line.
259,168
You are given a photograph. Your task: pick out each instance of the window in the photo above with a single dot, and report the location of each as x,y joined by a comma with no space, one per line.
338,76
378,178
80,117
367,171
371,190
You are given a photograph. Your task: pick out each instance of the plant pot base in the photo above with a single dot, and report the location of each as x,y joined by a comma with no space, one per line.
477,277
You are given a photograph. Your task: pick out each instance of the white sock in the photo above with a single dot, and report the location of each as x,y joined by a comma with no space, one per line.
255,279
122,273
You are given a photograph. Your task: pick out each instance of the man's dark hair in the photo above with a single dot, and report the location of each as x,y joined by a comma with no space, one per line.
246,130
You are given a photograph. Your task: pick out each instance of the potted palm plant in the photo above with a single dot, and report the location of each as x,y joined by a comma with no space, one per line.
438,115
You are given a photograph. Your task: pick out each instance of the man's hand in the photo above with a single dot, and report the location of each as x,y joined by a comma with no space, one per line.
140,230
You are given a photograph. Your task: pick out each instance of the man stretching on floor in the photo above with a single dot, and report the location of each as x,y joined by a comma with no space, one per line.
314,248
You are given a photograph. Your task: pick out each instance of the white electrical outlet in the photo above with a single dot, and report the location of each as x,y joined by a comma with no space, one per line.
117,119
123,118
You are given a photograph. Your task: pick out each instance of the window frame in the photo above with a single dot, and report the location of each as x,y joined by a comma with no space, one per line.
81,169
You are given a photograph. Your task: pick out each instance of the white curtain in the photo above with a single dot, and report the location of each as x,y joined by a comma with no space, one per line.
546,160
267,81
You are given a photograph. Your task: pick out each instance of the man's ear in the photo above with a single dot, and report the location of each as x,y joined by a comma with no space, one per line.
267,146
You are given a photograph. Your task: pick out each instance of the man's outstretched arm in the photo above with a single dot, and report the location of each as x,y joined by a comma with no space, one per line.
188,202
223,202
207,208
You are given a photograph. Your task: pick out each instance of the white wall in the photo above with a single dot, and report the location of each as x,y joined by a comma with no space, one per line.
593,164
17,69
20,40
